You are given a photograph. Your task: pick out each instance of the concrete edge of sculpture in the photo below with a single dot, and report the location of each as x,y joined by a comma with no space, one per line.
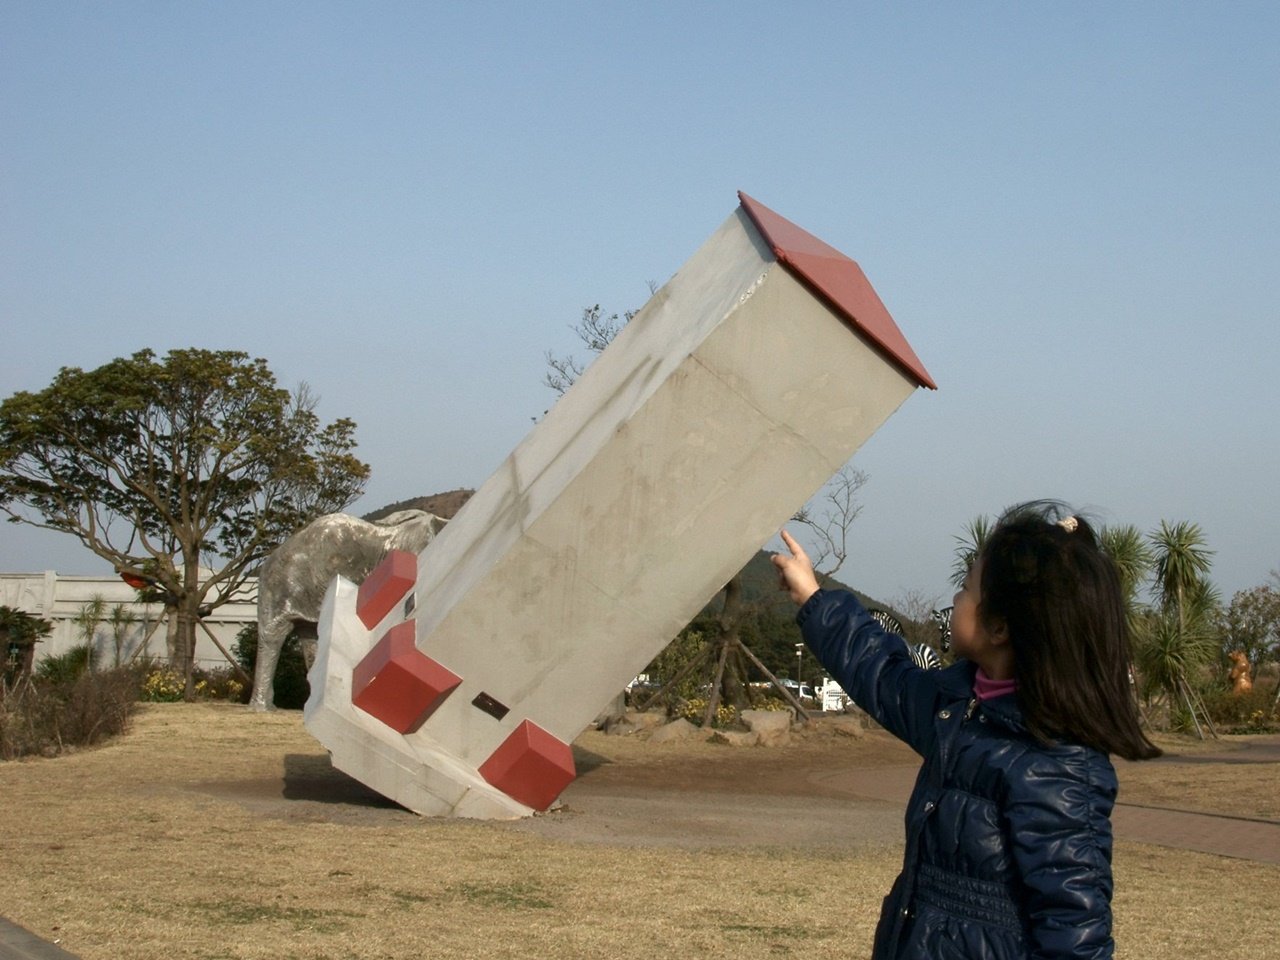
418,774
454,679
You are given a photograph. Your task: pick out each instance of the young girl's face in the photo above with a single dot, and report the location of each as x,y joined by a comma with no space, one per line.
971,638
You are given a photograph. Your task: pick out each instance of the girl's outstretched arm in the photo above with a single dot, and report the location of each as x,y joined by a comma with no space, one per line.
796,571
874,667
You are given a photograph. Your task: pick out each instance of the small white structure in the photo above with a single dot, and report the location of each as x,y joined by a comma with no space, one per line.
832,695
454,681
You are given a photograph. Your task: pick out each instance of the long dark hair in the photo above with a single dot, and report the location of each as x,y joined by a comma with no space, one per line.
1047,579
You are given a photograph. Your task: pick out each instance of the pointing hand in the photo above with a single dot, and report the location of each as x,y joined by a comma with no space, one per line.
795,573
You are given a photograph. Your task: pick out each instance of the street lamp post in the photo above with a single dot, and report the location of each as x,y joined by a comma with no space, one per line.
799,662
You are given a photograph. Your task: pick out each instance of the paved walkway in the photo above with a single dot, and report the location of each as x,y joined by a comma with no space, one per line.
1244,838
1241,837
19,944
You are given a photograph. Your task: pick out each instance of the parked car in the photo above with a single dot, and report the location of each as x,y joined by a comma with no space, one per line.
801,691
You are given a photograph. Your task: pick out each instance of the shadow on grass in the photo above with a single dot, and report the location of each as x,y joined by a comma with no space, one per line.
585,761
314,778
308,777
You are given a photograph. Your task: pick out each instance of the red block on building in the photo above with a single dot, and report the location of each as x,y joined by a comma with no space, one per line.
383,588
531,766
398,683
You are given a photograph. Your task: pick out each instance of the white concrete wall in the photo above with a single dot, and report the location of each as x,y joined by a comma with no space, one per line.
59,598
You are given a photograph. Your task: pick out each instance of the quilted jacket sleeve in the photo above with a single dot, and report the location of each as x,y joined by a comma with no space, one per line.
873,667
1058,812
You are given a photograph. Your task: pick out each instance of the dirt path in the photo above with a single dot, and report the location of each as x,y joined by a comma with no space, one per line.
824,791
811,795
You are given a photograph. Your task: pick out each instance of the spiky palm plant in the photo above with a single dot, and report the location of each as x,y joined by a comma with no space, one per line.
1133,558
120,620
968,545
87,621
19,632
1180,638
1181,561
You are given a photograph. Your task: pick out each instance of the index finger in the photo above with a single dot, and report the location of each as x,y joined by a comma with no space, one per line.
795,548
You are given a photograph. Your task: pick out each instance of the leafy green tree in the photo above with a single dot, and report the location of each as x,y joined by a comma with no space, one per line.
1253,623
1133,558
1166,656
183,472
120,619
1181,562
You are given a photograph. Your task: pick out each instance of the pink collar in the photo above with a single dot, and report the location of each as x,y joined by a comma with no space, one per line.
984,688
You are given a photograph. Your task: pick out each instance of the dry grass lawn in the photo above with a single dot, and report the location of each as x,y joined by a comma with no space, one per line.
132,852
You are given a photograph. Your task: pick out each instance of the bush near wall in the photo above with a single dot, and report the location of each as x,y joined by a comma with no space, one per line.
48,717
162,684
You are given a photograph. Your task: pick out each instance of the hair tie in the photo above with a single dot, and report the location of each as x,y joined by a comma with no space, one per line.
1069,524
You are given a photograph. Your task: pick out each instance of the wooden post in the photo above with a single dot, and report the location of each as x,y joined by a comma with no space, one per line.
230,659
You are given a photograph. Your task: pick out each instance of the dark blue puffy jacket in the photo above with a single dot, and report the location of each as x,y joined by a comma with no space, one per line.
1008,847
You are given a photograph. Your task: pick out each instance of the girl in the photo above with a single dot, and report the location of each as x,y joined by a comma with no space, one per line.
1008,847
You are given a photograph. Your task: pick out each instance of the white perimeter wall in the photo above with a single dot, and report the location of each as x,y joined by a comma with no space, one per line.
59,599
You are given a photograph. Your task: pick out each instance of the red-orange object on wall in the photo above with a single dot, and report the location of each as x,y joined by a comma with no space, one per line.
384,586
531,766
398,683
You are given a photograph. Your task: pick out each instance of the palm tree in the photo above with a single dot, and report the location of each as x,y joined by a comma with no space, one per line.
87,621
1180,638
1181,561
19,633
968,545
1167,655
120,620
1133,558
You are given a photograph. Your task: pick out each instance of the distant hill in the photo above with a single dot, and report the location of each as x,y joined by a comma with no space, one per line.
760,584
441,504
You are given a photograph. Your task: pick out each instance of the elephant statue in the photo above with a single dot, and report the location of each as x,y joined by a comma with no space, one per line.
295,576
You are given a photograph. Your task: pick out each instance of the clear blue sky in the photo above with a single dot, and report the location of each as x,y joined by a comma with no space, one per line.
1071,210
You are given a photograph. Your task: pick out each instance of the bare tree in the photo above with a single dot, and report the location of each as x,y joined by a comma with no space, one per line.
919,625
829,516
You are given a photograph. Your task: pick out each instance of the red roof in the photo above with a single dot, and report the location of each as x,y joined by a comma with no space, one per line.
840,282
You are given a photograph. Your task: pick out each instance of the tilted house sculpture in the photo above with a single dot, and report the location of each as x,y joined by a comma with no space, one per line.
454,681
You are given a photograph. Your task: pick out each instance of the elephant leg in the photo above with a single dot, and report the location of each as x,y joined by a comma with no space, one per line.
308,639
271,638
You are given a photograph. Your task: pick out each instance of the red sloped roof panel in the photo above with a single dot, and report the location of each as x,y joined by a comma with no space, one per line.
840,282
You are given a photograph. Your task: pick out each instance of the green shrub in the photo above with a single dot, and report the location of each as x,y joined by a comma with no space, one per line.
220,683
65,668
694,709
1244,712
162,684
291,687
